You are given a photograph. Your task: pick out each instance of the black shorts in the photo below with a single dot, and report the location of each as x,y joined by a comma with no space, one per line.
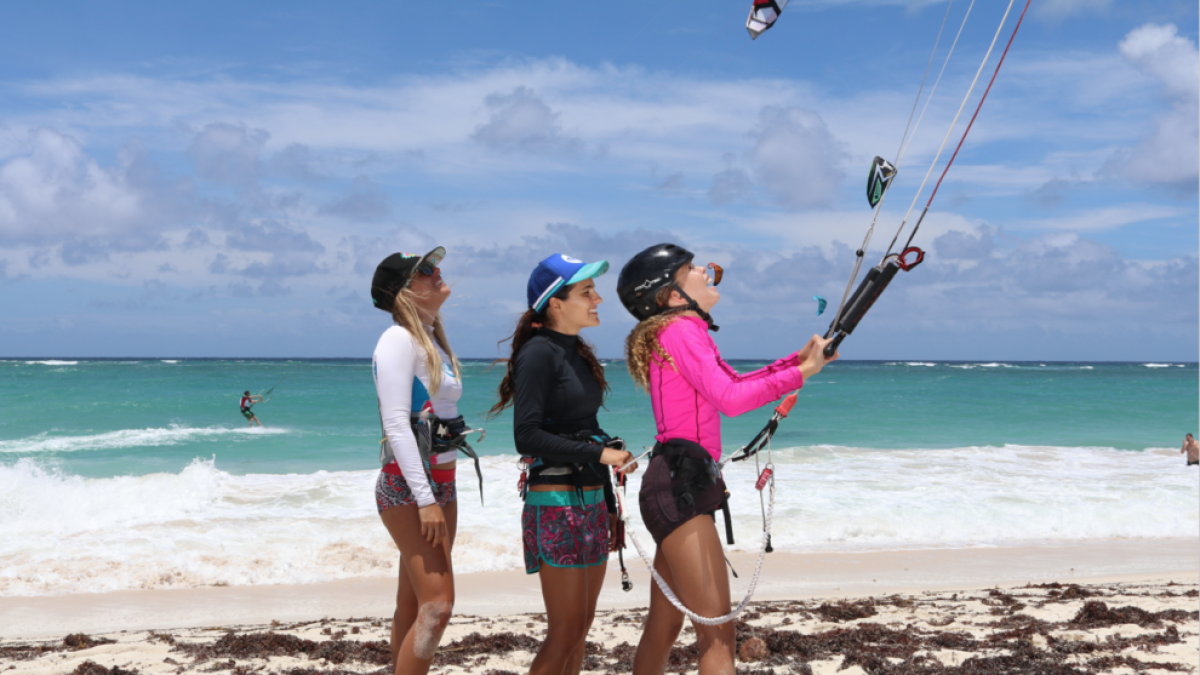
672,494
1191,463
248,413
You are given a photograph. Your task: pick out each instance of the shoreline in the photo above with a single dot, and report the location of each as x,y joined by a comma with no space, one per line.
785,577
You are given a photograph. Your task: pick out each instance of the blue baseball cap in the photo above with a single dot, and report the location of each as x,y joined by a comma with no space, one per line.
555,272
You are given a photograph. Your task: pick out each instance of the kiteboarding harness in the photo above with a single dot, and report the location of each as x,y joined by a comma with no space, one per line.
421,427
766,479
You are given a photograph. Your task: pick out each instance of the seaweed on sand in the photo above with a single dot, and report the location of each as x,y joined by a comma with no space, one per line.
1096,614
93,668
457,652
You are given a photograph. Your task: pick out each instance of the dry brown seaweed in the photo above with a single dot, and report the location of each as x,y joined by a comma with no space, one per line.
78,641
93,668
1096,614
846,610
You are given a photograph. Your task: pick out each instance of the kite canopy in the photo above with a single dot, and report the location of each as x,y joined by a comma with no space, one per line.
763,15
820,304
879,179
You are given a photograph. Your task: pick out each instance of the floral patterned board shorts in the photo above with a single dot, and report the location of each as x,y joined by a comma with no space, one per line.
561,532
391,490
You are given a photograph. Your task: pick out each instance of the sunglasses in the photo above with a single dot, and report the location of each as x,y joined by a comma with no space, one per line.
714,273
427,269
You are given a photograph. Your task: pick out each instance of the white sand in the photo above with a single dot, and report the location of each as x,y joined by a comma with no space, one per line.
1135,573
786,576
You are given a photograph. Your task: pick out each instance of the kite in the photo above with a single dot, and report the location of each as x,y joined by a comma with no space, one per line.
763,15
879,179
820,304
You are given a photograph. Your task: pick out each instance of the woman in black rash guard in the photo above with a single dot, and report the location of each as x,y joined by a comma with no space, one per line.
556,385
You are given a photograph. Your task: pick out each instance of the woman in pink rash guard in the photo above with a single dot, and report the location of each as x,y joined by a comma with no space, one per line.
671,355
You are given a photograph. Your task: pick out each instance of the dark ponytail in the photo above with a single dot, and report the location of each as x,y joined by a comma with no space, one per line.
527,327
524,331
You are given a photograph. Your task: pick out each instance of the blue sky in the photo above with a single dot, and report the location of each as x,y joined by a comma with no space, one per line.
221,179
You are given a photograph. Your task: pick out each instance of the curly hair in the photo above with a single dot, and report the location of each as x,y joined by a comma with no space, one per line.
642,345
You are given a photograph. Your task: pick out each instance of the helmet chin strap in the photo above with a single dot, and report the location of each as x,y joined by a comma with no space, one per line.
696,308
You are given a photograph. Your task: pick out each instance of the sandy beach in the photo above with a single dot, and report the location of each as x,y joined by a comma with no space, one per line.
1113,606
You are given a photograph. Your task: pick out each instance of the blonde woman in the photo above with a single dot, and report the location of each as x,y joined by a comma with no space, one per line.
418,382
671,355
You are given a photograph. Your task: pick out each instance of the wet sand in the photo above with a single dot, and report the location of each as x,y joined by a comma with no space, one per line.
1112,606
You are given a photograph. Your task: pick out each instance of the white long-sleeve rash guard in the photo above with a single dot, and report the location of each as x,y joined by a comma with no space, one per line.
402,385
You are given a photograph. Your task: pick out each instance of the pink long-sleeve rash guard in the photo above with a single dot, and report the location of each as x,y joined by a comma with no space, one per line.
691,391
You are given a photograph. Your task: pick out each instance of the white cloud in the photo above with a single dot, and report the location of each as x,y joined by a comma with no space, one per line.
298,161
1170,154
729,186
228,153
521,122
1057,10
52,192
364,201
798,160
1107,218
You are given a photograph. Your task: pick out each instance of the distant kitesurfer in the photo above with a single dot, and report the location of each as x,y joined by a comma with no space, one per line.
1192,447
247,403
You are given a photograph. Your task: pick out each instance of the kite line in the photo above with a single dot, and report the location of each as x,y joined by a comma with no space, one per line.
969,124
878,278
903,149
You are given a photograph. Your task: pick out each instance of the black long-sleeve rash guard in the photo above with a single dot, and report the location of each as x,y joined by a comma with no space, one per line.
556,393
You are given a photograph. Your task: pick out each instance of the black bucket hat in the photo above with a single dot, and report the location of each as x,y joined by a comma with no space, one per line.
396,271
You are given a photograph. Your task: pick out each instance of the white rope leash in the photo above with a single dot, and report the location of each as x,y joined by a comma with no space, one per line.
670,595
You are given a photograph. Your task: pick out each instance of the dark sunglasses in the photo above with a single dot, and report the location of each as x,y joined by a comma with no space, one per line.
714,272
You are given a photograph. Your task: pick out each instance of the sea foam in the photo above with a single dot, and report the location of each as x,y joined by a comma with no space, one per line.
205,527
124,438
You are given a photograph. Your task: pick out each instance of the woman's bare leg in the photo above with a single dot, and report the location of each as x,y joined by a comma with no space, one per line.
430,580
570,595
406,597
663,623
406,610
692,563
595,581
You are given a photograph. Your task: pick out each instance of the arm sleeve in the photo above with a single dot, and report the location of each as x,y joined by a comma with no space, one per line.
698,361
395,368
535,374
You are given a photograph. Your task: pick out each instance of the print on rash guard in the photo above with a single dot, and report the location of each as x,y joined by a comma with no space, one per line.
402,385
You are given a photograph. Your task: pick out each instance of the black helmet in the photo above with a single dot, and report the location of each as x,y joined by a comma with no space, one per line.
649,272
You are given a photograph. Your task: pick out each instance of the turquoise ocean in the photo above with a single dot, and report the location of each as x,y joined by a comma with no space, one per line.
141,473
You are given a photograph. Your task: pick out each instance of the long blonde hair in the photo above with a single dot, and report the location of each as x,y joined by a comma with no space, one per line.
405,314
642,345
